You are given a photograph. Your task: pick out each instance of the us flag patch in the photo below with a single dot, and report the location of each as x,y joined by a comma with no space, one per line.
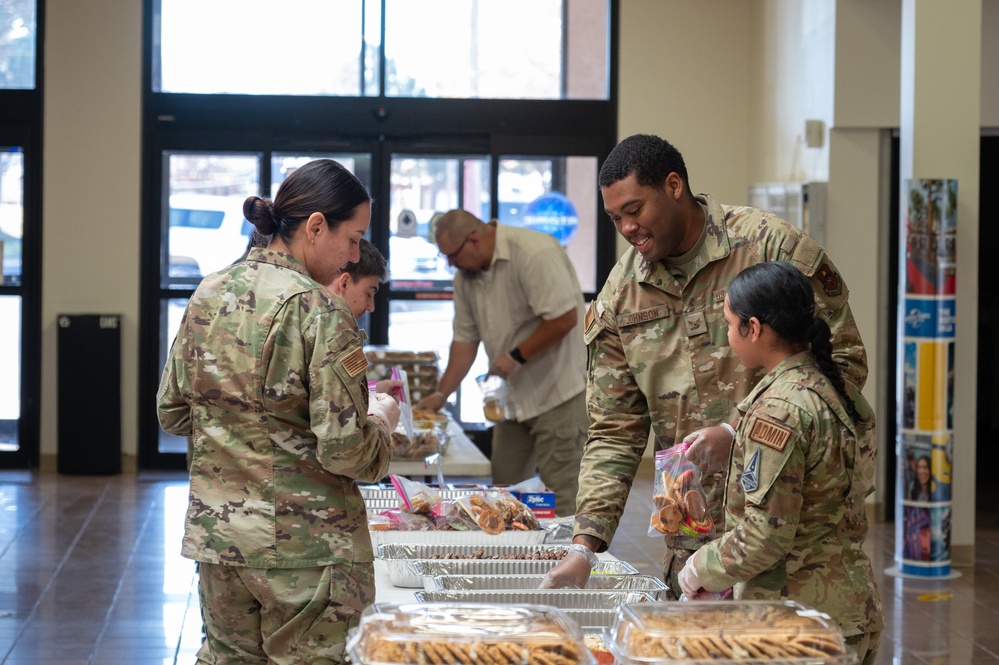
770,434
355,363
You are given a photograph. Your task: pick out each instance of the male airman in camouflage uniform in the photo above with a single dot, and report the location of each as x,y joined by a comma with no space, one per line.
267,374
795,522
658,353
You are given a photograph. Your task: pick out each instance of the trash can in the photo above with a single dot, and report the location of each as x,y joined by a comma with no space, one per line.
89,393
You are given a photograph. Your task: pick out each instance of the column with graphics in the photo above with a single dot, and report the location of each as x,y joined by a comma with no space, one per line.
925,443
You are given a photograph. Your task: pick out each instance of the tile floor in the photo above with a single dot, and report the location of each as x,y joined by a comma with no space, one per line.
90,574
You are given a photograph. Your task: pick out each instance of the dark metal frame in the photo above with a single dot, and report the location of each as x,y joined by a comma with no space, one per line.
379,125
21,125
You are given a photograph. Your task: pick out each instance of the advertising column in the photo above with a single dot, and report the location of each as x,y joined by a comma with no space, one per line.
925,443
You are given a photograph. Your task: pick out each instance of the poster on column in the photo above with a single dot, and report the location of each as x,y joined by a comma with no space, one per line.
926,379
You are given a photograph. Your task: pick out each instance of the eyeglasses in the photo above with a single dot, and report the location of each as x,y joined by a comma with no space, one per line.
455,253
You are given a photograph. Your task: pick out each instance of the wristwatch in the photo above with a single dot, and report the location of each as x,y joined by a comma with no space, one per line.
583,549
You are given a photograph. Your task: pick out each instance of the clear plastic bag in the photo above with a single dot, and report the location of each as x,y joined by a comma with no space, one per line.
493,397
680,506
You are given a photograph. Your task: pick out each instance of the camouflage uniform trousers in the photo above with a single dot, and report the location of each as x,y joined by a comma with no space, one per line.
282,616
551,443
866,645
673,561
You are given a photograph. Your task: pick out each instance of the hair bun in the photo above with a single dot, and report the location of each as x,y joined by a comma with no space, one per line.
260,213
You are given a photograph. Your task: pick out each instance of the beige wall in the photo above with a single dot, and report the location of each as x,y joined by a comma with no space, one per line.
791,56
684,76
90,204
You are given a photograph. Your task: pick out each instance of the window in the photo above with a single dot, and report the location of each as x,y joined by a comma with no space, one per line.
495,49
20,232
514,128
17,44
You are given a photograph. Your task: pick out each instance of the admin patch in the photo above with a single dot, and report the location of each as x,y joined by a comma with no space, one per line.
770,434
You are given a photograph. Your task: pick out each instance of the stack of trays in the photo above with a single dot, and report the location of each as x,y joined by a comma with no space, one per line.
386,498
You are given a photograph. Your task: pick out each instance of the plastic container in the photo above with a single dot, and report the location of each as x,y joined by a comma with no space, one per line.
746,632
453,634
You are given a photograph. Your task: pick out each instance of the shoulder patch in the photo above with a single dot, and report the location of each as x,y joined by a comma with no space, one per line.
751,475
770,434
355,362
830,280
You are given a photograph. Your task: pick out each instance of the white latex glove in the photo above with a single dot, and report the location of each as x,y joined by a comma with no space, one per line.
504,366
572,572
709,448
385,408
690,583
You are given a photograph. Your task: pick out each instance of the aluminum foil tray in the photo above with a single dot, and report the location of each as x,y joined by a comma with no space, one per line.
401,558
592,621
646,583
426,551
430,567
476,538
564,599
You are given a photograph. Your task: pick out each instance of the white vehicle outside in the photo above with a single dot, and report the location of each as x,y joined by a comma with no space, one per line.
207,229
416,259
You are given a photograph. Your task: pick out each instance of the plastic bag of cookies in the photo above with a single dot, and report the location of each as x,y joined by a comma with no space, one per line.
679,504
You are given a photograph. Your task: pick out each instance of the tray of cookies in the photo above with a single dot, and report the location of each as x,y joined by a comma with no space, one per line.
460,634
747,632
647,583
566,599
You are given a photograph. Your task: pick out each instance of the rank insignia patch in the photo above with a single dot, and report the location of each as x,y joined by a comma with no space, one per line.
830,280
355,363
751,476
770,434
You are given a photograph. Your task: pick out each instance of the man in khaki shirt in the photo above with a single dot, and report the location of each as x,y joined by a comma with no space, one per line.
516,291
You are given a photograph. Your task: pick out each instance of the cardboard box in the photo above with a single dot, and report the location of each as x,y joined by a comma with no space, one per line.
542,503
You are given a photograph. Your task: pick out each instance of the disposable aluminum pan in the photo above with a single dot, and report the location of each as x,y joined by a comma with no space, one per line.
401,559
592,621
431,567
564,599
475,537
646,583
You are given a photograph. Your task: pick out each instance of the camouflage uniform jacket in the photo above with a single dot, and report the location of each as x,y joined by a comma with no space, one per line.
658,354
800,471
268,375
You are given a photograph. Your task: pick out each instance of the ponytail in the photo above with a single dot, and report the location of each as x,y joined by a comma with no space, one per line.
822,350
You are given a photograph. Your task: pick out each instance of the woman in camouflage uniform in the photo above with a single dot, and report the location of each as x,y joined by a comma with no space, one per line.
267,375
801,467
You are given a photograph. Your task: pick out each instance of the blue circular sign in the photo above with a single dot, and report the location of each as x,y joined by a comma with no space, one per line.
554,214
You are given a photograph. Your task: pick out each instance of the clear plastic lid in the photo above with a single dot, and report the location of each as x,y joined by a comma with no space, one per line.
739,631
463,633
